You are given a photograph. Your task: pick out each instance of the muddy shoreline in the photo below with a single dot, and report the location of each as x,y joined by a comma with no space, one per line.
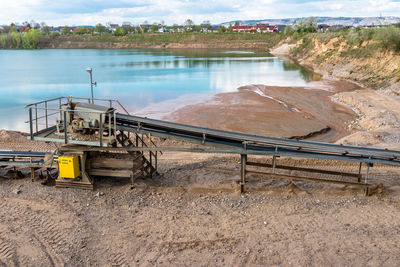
284,112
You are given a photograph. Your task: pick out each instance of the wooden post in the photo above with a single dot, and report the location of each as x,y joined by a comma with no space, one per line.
243,162
359,172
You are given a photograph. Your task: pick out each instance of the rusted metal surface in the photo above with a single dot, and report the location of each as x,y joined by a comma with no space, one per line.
304,169
292,177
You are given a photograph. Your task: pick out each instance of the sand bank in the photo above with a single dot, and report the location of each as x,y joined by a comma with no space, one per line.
286,112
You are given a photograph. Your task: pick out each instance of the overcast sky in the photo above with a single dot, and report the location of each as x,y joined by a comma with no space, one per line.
90,12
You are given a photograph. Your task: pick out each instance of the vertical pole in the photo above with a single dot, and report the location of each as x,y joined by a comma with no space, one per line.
65,128
45,113
142,143
151,165
110,103
359,172
91,86
243,162
109,126
32,173
273,163
30,123
115,126
156,159
59,107
366,180
366,175
101,129
36,118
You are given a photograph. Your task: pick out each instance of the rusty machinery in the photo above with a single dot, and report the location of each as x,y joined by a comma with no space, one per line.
102,142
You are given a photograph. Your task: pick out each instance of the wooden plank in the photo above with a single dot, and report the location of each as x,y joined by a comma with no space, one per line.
113,163
111,173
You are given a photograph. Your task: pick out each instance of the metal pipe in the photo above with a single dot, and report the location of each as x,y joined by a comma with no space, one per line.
65,128
59,107
40,102
91,85
30,123
109,126
45,112
273,163
367,174
101,129
36,119
115,126
41,117
243,162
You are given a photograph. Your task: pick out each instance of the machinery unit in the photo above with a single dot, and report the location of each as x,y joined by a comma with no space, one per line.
78,164
83,117
69,167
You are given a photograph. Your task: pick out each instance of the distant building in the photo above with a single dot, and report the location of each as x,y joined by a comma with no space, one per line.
260,28
23,28
112,27
206,27
161,28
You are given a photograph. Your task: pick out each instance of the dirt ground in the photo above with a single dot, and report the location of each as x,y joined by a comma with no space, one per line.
193,214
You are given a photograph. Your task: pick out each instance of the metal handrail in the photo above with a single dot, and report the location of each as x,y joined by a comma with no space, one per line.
44,116
68,97
119,103
83,111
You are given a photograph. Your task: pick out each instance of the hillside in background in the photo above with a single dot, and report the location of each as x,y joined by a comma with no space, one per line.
331,21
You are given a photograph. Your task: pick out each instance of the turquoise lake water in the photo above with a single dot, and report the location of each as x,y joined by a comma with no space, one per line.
137,77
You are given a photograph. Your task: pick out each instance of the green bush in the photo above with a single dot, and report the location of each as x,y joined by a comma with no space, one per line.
389,38
3,40
17,40
119,32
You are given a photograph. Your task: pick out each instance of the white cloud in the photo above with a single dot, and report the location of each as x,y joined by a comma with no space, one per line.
78,12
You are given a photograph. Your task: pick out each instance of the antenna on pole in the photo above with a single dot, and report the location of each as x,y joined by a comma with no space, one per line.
89,70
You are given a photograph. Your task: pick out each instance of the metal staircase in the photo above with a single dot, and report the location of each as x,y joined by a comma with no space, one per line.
149,166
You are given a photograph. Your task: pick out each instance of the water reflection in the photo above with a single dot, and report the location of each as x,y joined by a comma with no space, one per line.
138,77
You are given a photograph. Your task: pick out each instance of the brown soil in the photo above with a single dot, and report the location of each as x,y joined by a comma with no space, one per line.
294,112
193,215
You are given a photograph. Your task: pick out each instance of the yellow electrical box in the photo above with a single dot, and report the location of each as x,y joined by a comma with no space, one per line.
68,167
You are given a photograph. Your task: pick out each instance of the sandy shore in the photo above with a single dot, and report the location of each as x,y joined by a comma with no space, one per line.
286,112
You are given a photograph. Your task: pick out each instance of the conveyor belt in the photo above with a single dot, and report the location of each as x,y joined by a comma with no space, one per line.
22,158
253,144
